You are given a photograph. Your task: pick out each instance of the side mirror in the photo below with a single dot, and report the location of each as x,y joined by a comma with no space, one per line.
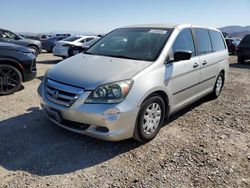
182,55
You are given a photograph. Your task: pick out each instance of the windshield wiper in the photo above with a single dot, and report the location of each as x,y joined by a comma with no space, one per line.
120,56
88,53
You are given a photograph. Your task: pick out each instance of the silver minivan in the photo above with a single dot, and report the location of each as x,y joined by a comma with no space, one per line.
134,78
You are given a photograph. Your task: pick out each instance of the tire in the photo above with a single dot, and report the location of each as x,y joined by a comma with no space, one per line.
219,83
144,132
241,60
35,49
10,79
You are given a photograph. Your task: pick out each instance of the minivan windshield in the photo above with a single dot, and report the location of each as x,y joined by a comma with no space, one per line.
132,43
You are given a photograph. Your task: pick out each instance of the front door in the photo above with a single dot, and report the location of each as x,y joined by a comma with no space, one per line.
185,75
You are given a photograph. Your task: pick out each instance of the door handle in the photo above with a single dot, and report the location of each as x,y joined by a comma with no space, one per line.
196,65
204,63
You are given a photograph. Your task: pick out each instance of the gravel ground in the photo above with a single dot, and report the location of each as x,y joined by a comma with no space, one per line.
204,145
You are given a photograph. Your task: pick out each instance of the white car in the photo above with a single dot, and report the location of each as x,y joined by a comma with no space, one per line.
61,47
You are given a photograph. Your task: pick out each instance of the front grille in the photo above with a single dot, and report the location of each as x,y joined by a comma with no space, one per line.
61,94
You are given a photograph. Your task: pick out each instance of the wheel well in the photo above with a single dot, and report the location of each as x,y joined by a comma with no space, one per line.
165,98
19,67
223,72
33,45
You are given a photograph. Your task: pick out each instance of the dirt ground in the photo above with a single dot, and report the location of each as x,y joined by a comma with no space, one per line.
205,145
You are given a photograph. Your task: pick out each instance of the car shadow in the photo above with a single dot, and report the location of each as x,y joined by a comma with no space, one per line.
31,143
246,65
40,78
187,109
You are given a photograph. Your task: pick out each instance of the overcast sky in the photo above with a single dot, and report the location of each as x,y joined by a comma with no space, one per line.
101,16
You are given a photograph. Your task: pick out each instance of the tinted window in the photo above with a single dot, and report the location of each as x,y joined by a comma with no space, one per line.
246,40
89,39
83,41
203,41
217,41
184,41
8,35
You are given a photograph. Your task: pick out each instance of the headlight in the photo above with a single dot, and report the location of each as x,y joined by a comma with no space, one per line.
110,93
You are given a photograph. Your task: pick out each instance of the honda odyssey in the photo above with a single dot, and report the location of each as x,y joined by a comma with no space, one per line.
134,78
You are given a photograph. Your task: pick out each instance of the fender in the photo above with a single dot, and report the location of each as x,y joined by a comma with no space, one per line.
11,60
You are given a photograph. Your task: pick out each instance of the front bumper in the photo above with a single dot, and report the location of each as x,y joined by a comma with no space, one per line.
29,75
112,122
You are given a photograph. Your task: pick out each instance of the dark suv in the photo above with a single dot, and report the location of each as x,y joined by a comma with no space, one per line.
10,37
17,64
243,49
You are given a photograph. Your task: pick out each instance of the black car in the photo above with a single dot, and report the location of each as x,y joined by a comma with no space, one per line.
243,49
49,43
232,44
17,65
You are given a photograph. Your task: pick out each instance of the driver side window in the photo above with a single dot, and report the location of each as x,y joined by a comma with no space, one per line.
8,35
184,41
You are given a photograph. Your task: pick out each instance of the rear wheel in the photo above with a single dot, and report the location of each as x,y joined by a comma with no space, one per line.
150,118
218,86
241,60
10,79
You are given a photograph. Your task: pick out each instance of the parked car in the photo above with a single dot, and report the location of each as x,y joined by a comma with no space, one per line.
34,37
49,43
61,47
45,37
17,65
243,49
133,78
232,44
10,37
76,49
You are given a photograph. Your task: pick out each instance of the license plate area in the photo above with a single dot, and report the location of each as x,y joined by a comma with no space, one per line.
54,115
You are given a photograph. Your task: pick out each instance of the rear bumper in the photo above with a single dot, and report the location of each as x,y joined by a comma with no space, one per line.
60,52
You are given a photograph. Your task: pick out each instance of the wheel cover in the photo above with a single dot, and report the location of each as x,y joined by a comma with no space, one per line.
8,79
219,84
151,118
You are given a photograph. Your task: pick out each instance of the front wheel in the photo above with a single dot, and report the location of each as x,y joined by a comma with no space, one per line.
10,79
150,118
218,86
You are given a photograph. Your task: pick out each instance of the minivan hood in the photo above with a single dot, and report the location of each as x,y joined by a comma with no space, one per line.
91,71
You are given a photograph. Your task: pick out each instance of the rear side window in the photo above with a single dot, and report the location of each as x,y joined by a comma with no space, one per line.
89,39
217,41
203,41
184,41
